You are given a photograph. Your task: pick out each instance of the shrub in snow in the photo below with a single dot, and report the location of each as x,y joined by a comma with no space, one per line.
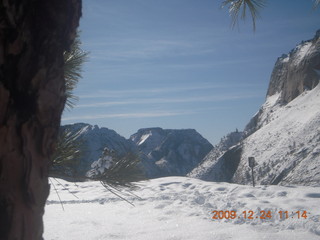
116,171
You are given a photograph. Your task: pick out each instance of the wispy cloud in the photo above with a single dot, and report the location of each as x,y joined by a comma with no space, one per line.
165,100
126,49
161,90
149,91
150,114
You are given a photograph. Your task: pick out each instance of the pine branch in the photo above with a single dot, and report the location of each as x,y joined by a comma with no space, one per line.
68,152
74,60
240,6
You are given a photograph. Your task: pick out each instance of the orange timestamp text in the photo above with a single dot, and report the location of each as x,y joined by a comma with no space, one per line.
263,214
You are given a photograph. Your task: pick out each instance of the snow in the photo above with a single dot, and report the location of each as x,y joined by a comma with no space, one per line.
100,166
271,105
301,51
180,208
286,59
84,130
144,138
168,152
287,143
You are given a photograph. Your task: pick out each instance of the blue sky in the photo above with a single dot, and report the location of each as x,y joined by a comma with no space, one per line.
178,63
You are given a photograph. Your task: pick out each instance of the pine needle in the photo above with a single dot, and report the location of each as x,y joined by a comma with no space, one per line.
54,187
240,6
73,62
110,189
65,188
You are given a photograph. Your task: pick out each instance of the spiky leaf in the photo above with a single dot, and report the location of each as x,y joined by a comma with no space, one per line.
123,172
239,8
74,60
67,154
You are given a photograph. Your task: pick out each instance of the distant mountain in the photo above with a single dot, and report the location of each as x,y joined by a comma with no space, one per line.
284,136
162,152
169,152
94,140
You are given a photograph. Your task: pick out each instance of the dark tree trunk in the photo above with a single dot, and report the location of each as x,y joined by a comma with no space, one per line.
33,36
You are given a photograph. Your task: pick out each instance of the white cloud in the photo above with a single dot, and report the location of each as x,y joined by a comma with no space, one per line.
151,91
167,100
128,115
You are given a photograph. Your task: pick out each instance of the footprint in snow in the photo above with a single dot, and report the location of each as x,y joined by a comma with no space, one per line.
186,185
221,189
282,194
313,195
248,195
170,183
161,206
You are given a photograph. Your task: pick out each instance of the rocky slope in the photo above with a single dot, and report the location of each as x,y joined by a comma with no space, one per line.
205,171
284,135
168,152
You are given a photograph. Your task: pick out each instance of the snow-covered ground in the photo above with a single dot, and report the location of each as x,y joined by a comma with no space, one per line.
182,208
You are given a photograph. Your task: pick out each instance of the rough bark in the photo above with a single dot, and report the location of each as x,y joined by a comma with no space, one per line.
33,36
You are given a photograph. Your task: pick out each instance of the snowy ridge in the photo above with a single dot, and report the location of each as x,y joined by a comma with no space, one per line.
148,139
268,109
170,152
163,152
181,208
210,169
95,139
302,51
287,148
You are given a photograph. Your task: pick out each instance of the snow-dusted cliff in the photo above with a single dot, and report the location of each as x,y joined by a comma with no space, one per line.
284,136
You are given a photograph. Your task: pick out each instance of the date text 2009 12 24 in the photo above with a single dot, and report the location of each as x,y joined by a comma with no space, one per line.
263,214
